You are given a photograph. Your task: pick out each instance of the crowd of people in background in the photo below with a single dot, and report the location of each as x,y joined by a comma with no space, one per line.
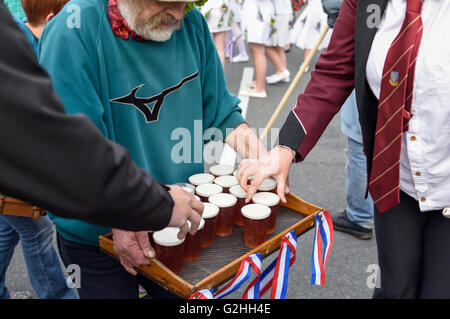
269,27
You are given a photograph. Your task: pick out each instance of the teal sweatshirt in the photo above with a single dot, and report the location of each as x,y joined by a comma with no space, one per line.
154,98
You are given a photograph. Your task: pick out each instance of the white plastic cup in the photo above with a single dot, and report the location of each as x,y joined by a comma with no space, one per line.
256,220
226,204
240,195
204,191
221,170
272,201
226,181
211,217
193,243
202,178
169,248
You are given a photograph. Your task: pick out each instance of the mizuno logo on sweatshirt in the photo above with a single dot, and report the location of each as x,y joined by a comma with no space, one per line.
143,104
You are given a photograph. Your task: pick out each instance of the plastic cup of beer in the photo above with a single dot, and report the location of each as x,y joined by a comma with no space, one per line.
169,248
270,200
256,223
202,178
268,185
193,243
240,195
211,217
187,187
221,170
204,191
226,181
226,204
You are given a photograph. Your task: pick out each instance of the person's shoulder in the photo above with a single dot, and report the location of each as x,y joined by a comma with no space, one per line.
195,19
80,14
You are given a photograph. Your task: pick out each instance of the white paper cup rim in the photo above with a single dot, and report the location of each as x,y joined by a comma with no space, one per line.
201,178
266,198
168,237
210,210
255,211
268,184
238,191
207,190
220,170
226,181
223,200
200,226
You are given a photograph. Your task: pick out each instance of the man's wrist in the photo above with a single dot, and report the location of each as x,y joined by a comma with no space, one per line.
293,152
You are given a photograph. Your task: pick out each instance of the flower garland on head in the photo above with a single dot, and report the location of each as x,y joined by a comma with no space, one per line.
191,5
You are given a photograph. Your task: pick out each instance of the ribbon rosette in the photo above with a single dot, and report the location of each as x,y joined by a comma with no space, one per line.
323,240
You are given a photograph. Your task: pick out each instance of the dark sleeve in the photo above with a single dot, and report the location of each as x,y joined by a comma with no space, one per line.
331,83
63,163
331,8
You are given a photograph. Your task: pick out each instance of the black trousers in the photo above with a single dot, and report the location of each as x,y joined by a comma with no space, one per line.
413,252
102,277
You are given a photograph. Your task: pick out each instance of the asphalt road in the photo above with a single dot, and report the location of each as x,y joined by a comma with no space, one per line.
319,180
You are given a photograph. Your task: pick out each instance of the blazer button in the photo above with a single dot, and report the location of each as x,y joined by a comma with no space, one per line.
446,212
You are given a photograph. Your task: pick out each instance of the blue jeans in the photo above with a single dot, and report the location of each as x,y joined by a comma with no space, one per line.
359,210
43,265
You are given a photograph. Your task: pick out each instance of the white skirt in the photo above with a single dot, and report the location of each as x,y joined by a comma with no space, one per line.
257,16
308,27
218,14
280,34
236,8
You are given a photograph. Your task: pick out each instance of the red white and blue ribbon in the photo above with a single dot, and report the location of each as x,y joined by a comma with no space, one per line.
252,291
203,294
243,274
276,275
323,240
229,48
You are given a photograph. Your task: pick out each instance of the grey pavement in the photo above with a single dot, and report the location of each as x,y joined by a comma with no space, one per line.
319,180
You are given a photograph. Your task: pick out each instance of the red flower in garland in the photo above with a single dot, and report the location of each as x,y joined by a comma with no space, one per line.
119,25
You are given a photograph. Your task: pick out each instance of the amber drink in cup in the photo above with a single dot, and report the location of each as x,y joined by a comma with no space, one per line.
256,219
211,217
193,243
226,204
240,195
270,200
169,248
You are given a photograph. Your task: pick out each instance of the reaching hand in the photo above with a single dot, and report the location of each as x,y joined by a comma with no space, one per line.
186,208
276,164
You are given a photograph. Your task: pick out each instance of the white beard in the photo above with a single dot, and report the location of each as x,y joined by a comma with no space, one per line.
146,28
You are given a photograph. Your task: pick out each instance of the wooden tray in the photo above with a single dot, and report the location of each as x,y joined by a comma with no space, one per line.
219,263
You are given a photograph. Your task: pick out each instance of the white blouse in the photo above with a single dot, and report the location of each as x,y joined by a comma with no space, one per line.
425,154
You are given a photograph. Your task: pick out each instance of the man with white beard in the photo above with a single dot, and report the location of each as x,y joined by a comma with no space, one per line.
140,69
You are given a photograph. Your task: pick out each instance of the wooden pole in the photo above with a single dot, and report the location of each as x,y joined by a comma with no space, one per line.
294,83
